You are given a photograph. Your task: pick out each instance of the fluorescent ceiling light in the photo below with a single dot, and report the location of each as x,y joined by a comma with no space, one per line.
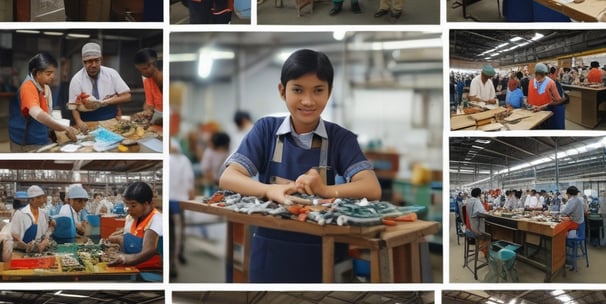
564,298
205,63
60,293
516,38
477,147
53,33
338,35
537,36
397,45
502,45
562,154
572,152
83,36
27,32
523,44
557,292
184,57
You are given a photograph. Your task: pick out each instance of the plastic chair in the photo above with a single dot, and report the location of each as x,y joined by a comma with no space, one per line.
502,261
471,246
573,244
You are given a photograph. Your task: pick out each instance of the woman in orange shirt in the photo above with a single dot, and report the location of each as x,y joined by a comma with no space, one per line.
595,74
29,121
145,62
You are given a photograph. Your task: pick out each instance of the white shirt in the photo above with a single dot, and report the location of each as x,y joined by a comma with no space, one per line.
484,91
181,177
23,219
68,210
532,202
109,83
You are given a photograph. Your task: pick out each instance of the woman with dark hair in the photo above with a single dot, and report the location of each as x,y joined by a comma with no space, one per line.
301,153
475,209
30,122
142,229
146,63
574,210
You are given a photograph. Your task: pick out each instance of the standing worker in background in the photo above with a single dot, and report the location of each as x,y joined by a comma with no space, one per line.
337,5
30,227
30,121
595,73
243,124
290,148
146,63
390,6
543,93
481,89
100,84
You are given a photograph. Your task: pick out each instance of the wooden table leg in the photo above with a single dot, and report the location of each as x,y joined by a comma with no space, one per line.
328,259
407,263
246,253
386,264
375,266
229,258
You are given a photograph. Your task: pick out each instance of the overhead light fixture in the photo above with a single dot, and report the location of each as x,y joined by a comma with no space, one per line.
516,38
53,33
205,63
397,45
78,36
27,32
537,36
61,294
564,298
523,44
502,45
184,57
483,141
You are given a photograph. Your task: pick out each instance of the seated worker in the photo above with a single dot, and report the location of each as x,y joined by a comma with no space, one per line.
98,83
146,63
142,229
30,227
289,148
77,198
574,210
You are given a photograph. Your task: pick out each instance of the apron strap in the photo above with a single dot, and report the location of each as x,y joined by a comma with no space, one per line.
324,152
278,149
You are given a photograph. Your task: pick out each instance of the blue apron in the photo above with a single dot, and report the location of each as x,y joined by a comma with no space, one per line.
30,233
132,243
288,257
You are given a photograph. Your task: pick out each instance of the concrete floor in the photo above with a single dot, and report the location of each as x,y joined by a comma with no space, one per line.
484,11
206,262
414,12
526,273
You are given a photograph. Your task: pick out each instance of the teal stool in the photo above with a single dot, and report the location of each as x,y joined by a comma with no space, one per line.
502,263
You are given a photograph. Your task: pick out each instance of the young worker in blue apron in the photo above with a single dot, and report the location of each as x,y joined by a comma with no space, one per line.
142,230
77,198
30,224
291,150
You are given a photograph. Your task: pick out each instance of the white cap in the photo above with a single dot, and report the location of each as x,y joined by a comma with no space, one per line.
91,50
34,191
77,191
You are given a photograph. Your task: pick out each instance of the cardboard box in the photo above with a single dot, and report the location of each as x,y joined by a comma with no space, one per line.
95,10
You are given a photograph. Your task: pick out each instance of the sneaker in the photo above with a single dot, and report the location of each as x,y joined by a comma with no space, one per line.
336,8
381,13
355,8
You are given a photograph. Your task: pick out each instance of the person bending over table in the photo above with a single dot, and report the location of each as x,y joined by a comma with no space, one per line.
30,227
481,88
140,237
145,62
287,150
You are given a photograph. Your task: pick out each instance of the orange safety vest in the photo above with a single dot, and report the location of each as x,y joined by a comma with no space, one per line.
534,97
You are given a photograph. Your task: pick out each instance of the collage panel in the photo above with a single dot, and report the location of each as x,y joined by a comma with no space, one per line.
523,296
81,10
304,297
82,296
81,220
81,90
502,80
305,215
558,12
210,12
527,209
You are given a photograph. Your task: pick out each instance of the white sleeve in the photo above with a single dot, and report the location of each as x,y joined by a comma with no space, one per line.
156,224
64,211
474,90
75,88
18,224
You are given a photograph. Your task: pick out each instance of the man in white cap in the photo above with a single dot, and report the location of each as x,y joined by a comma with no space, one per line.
481,89
98,83
30,226
542,90
77,198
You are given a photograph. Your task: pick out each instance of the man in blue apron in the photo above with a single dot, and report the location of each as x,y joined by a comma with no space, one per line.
77,198
305,153
29,224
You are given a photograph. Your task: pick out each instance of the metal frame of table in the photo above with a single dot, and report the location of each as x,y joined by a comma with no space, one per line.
394,250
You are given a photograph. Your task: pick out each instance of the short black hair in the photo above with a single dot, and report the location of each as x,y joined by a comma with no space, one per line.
595,64
519,75
572,190
220,139
145,55
41,62
138,191
305,61
475,192
240,116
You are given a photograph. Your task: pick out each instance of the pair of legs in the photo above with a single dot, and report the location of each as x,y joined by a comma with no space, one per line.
337,5
390,6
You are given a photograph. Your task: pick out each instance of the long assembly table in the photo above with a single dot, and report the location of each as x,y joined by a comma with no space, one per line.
394,250
543,244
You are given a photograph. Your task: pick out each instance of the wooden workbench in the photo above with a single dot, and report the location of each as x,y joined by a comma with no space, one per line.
394,250
583,106
543,245
531,121
587,11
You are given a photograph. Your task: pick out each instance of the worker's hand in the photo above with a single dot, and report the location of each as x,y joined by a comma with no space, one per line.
71,133
119,259
277,192
82,126
491,101
310,183
43,245
30,247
